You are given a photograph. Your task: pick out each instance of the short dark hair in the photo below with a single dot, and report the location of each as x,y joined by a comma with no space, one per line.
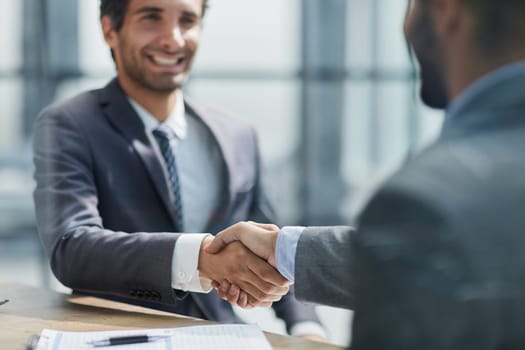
116,10
500,25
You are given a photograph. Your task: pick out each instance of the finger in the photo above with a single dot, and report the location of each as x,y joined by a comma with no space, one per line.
258,294
233,294
222,239
222,295
255,303
267,279
270,275
225,287
240,274
243,300
221,289
269,227
229,292
250,276
257,288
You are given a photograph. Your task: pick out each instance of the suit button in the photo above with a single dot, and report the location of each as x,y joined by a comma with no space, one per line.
140,294
133,293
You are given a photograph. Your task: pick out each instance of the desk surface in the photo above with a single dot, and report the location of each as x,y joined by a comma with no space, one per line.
32,309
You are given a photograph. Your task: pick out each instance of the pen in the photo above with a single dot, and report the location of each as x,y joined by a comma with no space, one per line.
135,339
2,302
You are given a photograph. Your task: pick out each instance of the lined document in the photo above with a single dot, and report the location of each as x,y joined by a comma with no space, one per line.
217,337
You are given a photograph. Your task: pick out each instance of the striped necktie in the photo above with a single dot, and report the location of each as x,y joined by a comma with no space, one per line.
164,135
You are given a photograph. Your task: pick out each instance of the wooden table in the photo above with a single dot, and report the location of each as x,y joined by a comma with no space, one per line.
32,309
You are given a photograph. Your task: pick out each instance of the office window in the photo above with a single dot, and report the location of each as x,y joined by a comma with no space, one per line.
10,66
11,38
384,121
94,56
251,35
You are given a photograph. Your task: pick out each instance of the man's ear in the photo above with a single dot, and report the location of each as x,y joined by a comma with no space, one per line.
110,35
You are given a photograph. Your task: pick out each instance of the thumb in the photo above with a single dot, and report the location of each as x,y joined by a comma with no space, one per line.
220,241
268,227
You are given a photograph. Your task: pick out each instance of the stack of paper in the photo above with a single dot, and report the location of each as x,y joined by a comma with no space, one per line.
217,337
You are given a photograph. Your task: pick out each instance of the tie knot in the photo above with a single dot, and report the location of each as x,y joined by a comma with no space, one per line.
163,132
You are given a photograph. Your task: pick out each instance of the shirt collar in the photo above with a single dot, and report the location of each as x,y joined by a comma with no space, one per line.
176,121
483,84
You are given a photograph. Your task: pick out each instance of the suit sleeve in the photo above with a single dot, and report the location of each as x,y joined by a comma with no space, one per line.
322,266
84,255
408,276
288,308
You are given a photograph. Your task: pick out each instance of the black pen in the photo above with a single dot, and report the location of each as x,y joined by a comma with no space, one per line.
134,339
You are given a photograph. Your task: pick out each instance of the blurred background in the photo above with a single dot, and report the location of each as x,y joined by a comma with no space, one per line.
328,85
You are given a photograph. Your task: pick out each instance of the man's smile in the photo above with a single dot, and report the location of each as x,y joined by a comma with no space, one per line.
172,61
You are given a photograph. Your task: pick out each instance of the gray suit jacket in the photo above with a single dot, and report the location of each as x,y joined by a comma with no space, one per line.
104,210
438,260
321,272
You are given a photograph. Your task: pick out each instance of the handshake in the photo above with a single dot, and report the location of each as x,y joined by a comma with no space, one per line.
240,262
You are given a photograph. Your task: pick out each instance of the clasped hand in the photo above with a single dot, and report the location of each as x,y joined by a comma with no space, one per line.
240,261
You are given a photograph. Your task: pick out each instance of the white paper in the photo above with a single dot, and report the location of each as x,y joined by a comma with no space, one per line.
217,337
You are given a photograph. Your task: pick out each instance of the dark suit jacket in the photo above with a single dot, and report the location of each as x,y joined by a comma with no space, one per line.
104,210
321,272
438,260
439,257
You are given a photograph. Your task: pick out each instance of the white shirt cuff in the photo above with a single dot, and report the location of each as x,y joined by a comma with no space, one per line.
308,328
184,273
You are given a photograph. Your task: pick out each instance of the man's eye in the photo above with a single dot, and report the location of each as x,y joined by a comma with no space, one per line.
187,20
152,17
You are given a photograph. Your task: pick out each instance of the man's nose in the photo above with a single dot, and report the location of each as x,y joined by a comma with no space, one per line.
172,39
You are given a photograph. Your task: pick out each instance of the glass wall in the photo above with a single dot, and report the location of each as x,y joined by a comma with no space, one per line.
384,121
16,211
10,66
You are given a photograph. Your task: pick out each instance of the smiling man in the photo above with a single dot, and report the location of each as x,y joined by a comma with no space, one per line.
126,172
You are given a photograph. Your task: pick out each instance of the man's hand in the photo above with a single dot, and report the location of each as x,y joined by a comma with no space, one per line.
238,266
234,294
259,238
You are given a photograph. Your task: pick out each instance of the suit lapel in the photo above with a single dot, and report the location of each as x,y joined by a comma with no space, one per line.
123,117
219,132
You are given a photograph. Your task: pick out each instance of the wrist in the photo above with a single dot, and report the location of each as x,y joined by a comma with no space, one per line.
271,258
203,264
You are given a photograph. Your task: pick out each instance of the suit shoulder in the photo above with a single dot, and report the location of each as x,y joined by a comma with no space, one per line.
451,176
441,165
74,107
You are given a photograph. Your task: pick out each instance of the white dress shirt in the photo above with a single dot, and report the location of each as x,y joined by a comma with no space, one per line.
201,175
199,165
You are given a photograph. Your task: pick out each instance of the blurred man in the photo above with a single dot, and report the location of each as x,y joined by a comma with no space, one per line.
123,170
437,260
